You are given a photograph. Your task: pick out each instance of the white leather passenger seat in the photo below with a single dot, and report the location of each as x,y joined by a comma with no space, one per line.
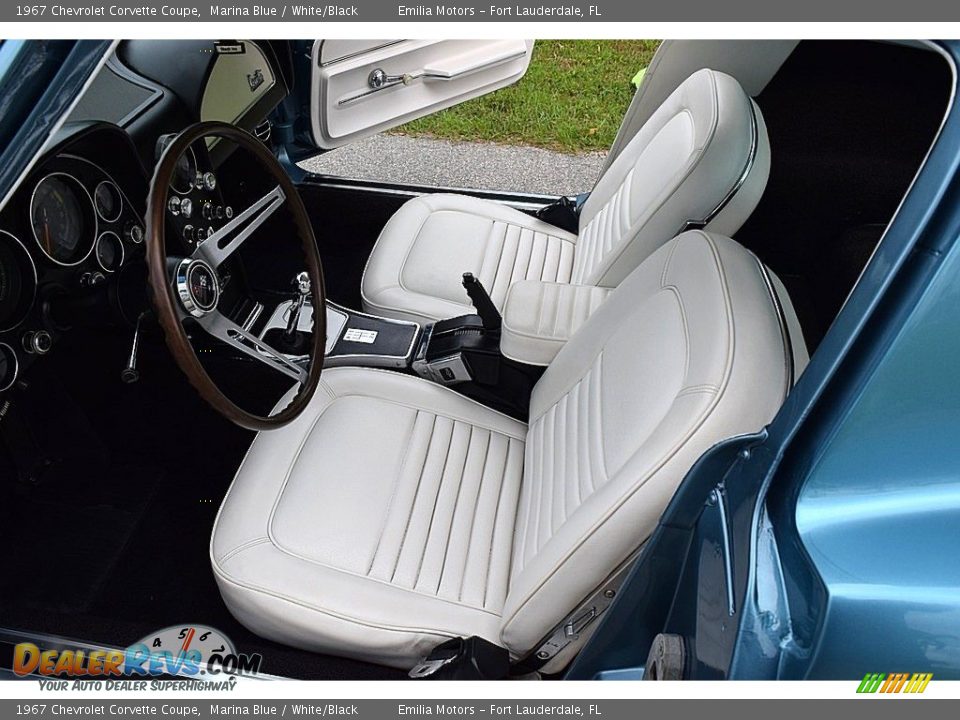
396,513
702,159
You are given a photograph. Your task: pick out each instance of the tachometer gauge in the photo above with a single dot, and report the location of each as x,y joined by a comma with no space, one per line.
108,200
18,281
63,219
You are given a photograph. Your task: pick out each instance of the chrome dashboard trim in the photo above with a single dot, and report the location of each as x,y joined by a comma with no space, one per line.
126,199
36,280
93,208
123,252
16,367
119,194
196,168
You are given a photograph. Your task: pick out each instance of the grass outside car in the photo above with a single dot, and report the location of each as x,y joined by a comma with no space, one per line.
571,99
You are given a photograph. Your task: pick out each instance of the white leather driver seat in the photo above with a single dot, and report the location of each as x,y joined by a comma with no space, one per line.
395,513
701,160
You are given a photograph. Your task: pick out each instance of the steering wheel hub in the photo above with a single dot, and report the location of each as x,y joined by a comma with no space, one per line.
198,287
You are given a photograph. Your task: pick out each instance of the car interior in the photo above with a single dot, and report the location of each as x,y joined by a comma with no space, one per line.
513,385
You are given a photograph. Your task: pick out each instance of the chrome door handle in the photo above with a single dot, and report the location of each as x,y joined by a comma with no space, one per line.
379,79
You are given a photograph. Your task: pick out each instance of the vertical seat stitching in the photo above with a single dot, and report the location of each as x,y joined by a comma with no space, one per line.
393,492
433,511
543,517
596,407
453,513
529,487
502,237
559,473
496,517
413,503
473,516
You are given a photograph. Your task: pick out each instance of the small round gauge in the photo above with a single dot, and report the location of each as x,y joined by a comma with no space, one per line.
63,219
18,281
9,366
108,200
197,642
133,232
185,172
109,251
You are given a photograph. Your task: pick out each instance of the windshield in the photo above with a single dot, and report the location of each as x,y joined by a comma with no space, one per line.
26,68
39,80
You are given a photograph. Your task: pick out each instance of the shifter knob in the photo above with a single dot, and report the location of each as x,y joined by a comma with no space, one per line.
302,283
478,295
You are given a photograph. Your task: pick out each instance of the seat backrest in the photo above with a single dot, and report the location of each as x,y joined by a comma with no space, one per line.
692,348
701,160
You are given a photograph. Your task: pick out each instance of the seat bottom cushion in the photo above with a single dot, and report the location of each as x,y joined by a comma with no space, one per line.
377,525
416,267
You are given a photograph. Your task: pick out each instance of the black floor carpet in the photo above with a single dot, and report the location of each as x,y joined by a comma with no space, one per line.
111,542
69,534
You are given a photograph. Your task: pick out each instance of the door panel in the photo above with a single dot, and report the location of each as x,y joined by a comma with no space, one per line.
389,83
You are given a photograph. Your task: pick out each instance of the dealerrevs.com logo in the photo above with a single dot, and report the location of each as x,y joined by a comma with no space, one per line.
890,683
187,651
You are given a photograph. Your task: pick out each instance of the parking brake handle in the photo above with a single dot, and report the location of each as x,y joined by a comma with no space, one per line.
489,315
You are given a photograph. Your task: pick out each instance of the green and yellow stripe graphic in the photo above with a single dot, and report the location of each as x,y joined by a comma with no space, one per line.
894,682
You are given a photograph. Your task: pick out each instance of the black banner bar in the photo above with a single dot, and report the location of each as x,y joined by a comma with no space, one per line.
472,11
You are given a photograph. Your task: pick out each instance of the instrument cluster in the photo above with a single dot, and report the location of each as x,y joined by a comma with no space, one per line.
195,207
70,228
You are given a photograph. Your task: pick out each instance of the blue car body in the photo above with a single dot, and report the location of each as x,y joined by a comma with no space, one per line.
826,547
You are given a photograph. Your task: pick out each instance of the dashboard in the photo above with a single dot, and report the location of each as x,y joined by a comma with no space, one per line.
69,237
72,235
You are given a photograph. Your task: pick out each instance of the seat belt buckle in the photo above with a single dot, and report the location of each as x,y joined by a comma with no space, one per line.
563,213
471,658
442,655
426,667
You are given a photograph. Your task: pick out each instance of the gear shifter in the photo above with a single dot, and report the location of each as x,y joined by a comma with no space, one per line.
489,315
302,283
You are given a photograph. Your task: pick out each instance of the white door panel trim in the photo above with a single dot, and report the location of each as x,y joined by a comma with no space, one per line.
422,77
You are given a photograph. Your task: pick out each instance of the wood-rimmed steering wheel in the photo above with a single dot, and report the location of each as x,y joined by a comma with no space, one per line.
188,288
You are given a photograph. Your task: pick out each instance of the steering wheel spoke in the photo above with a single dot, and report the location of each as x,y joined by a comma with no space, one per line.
221,244
222,328
189,288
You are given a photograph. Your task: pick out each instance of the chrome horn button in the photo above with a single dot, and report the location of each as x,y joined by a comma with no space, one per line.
197,286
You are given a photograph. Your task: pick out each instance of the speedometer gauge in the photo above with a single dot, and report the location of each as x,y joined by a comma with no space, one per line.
18,281
63,219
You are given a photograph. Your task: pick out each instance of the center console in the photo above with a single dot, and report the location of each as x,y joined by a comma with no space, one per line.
353,338
462,351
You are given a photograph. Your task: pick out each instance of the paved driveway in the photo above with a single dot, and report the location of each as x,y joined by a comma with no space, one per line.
398,158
